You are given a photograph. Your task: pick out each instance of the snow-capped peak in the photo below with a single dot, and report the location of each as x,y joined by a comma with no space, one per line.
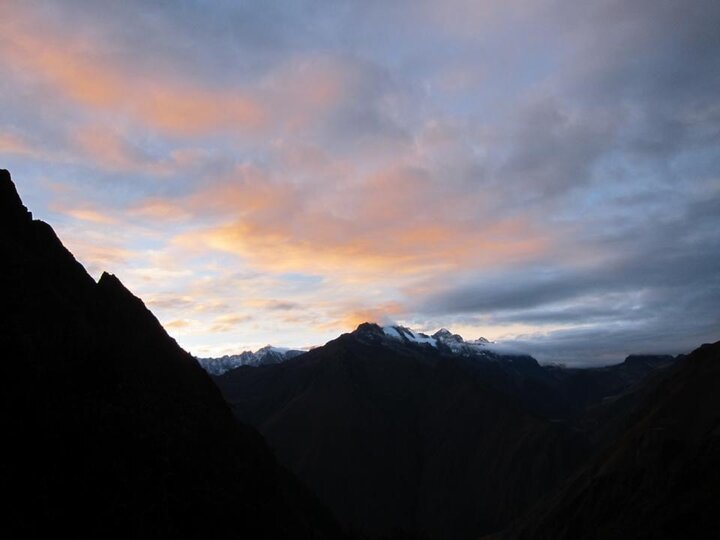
443,332
447,341
263,356
447,336
403,333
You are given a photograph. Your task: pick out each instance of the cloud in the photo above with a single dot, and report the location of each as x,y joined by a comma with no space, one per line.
88,214
659,290
371,225
81,73
179,323
542,171
14,144
280,305
170,302
227,323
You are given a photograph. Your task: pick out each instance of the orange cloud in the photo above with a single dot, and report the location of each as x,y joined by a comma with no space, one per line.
12,144
178,323
389,227
78,70
88,214
109,150
157,209
96,257
246,190
385,314
196,111
227,323
83,69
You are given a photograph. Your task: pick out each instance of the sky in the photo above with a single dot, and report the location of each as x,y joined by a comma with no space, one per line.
542,173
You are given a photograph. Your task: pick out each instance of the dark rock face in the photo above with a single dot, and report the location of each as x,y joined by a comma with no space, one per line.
109,427
577,389
660,479
398,438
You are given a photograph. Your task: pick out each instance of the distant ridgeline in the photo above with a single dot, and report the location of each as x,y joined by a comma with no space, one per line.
261,357
443,340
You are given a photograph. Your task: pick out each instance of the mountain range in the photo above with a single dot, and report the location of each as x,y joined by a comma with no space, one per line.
442,339
261,357
111,429
431,436
659,478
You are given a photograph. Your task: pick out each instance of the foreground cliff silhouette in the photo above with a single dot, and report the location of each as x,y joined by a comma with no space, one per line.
109,428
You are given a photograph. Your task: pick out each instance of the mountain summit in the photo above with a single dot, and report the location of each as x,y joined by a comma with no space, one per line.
400,432
397,432
443,340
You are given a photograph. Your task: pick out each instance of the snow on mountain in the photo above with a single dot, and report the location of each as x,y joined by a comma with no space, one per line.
402,333
443,340
447,341
261,357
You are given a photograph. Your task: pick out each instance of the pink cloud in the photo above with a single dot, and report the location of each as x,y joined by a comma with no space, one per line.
83,71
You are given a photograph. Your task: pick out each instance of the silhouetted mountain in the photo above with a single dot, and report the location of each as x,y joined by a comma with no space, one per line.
431,435
576,389
398,436
109,427
660,479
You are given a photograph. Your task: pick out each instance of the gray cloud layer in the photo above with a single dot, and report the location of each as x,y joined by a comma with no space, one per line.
595,124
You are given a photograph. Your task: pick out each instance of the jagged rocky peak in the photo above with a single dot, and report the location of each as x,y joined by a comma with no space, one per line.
8,193
444,340
368,332
446,335
12,209
266,355
368,328
112,284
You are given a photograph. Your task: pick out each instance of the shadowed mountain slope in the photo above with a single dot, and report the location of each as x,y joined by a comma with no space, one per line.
395,437
660,479
431,435
109,427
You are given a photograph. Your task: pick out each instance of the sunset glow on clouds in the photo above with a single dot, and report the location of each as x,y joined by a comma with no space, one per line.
546,173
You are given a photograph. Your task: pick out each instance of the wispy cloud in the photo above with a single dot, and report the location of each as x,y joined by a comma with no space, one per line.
540,171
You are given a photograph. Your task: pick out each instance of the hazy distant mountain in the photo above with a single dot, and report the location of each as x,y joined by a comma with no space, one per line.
659,479
431,435
266,355
109,428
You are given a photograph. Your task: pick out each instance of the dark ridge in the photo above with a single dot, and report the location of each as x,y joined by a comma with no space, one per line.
649,360
400,438
659,479
110,429
368,328
12,210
